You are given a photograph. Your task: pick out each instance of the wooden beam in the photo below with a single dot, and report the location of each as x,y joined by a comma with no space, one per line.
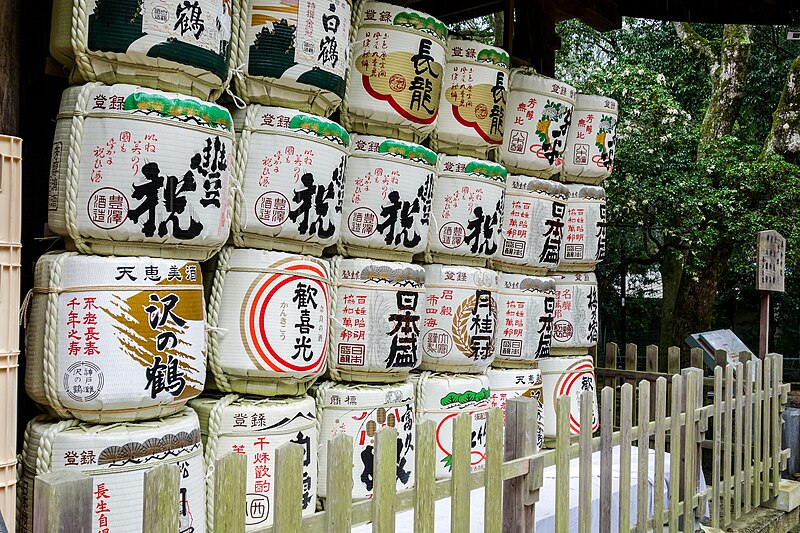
10,17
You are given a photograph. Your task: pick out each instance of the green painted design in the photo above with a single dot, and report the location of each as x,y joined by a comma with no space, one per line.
448,462
487,169
321,128
419,22
412,152
496,57
465,397
194,110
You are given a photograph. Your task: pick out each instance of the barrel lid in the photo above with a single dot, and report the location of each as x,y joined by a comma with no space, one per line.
593,102
340,395
459,165
526,79
574,278
459,50
281,120
586,192
247,414
439,391
537,285
393,149
389,15
550,188
512,379
371,272
456,276
258,260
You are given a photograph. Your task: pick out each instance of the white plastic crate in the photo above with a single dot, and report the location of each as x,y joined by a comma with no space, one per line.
10,189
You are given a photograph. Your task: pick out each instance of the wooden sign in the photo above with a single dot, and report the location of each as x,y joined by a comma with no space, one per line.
771,253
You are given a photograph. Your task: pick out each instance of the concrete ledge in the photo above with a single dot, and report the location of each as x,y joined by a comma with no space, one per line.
788,498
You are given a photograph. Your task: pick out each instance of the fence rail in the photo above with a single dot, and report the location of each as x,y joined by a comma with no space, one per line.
741,424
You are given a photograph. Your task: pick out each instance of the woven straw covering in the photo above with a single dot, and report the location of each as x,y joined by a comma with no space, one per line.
257,428
170,45
113,339
269,321
117,456
140,172
289,180
292,54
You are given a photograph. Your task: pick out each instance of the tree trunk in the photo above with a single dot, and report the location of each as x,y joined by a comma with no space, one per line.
498,27
784,138
671,269
9,66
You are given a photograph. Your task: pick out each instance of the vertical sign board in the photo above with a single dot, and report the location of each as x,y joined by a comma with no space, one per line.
771,254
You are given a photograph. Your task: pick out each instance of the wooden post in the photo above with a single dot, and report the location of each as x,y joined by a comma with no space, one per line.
230,492
493,514
460,499
424,477
385,475
63,503
563,404
585,479
606,451
339,503
288,495
10,16
520,441
161,497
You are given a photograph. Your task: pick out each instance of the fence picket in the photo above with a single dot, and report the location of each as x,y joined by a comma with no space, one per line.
159,492
651,365
625,417
765,445
696,358
673,368
425,477
585,464
493,518
727,439
643,442
62,502
520,441
230,490
716,455
675,453
385,476
631,360
690,453
288,488
562,463
757,430
460,499
776,423
737,449
660,430
339,503
606,459
748,435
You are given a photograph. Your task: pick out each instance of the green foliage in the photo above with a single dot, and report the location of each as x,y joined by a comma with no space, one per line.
465,397
487,169
419,22
322,127
178,107
413,152
497,57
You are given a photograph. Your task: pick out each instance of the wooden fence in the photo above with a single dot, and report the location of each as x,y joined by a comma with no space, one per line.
742,425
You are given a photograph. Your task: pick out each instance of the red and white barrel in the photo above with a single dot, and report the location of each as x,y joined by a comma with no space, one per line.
460,318
584,243
473,100
533,225
538,117
289,177
590,151
361,411
442,397
396,77
377,320
136,171
467,211
269,321
567,376
576,313
291,54
387,202
509,384
525,306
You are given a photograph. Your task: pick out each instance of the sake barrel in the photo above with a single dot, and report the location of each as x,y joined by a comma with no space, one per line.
509,384
387,198
112,339
525,306
172,45
269,317
136,171
584,242
377,310
289,177
473,102
395,81
441,398
116,456
568,376
467,211
538,118
460,318
575,315
533,225
591,145
291,54
256,428
361,411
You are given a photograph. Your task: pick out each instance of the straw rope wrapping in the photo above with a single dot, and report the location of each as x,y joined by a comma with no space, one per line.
78,39
74,166
50,356
237,50
214,425
237,176
355,24
44,455
428,257
333,370
214,304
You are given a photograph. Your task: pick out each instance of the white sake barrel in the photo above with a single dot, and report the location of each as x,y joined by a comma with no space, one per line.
460,318
584,243
567,376
592,144
140,172
377,318
575,317
442,397
473,103
395,81
170,45
538,118
533,225
270,324
361,411
116,456
467,211
292,54
509,384
112,339
289,177
256,428
525,306
387,198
